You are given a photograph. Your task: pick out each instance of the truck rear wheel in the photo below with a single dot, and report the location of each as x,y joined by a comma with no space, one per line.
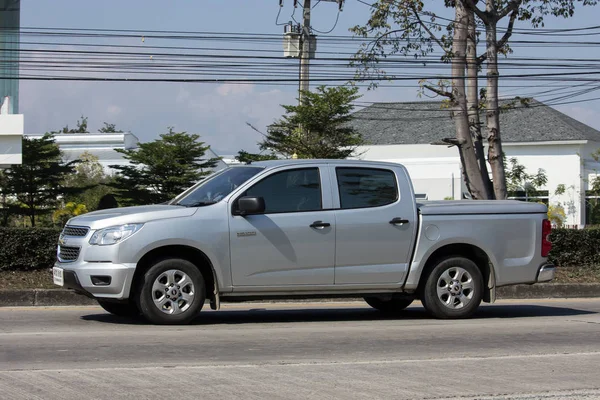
391,305
453,289
121,309
172,292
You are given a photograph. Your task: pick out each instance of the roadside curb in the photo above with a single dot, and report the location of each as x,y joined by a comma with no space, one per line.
62,297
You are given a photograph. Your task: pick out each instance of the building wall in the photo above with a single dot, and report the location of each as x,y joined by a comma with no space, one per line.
436,171
101,145
11,139
563,166
10,17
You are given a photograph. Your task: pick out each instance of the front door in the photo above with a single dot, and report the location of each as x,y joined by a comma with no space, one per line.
293,242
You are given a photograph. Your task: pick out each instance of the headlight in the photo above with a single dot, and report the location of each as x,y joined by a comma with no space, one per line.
114,234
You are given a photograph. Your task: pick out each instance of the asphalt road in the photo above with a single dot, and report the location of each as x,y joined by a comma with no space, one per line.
510,350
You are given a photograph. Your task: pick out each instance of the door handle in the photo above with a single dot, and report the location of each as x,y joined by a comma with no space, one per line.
399,221
320,225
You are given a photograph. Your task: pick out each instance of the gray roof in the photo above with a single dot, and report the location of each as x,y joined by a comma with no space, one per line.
427,122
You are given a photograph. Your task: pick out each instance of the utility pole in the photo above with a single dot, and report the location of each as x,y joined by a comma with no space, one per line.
300,43
305,50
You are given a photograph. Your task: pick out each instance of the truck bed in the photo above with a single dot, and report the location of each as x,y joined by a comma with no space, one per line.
472,207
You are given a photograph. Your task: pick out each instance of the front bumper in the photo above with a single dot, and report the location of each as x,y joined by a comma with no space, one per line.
546,273
98,280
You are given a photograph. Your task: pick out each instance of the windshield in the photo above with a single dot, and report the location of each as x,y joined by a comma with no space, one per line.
214,189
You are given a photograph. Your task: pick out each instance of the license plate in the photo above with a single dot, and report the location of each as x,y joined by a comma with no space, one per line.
58,275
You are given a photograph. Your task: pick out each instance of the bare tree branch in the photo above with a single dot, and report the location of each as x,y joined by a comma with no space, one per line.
509,30
470,5
439,91
435,38
510,7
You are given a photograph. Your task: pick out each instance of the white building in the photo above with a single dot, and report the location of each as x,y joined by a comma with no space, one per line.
103,146
11,139
538,136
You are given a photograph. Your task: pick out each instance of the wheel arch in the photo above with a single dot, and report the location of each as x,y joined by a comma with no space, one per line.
189,253
471,252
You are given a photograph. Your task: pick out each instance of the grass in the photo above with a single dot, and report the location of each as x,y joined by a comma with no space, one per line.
42,279
588,274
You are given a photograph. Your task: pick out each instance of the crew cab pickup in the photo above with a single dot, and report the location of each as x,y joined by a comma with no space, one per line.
303,228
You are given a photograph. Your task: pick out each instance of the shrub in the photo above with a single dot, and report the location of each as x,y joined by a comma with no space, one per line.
26,249
575,247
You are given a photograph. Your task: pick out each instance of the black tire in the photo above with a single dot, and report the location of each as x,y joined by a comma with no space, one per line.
394,304
145,294
452,308
120,309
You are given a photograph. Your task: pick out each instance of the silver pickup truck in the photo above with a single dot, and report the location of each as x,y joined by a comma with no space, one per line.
303,228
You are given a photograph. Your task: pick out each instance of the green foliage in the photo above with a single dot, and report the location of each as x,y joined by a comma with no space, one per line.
245,157
89,176
162,169
317,128
38,183
70,210
518,179
25,249
557,215
109,128
81,127
575,247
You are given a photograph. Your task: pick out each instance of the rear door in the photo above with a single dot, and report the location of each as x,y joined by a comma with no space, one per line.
375,224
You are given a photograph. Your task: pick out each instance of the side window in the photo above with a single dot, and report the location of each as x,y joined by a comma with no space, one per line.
366,187
290,191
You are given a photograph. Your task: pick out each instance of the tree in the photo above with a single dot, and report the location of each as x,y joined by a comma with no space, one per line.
38,183
519,180
405,27
70,210
5,202
245,157
90,177
317,128
109,128
162,169
81,127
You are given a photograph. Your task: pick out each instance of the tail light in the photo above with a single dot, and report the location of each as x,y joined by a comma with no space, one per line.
546,231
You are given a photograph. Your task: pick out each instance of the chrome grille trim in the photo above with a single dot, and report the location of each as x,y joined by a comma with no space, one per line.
75,231
68,253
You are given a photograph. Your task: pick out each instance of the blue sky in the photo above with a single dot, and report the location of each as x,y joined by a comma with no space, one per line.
217,112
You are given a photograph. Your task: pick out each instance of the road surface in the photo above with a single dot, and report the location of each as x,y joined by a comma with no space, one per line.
513,349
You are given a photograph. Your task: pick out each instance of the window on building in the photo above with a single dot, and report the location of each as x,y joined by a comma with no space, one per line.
592,207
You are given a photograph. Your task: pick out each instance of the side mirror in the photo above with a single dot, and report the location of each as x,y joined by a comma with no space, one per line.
250,205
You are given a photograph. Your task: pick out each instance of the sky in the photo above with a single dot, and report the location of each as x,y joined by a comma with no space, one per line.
217,112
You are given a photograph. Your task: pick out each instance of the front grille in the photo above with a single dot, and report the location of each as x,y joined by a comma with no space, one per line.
75,231
66,253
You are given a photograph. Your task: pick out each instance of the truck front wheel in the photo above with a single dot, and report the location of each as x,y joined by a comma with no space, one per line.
390,305
453,289
172,291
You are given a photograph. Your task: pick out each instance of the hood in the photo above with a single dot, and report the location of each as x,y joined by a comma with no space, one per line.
130,215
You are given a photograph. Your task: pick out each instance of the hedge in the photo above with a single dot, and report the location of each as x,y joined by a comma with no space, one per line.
575,247
25,249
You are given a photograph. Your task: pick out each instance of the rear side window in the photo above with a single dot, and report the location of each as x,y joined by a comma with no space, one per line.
366,187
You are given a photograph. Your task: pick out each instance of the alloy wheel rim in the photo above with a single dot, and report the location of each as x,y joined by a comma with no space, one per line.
455,288
173,292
